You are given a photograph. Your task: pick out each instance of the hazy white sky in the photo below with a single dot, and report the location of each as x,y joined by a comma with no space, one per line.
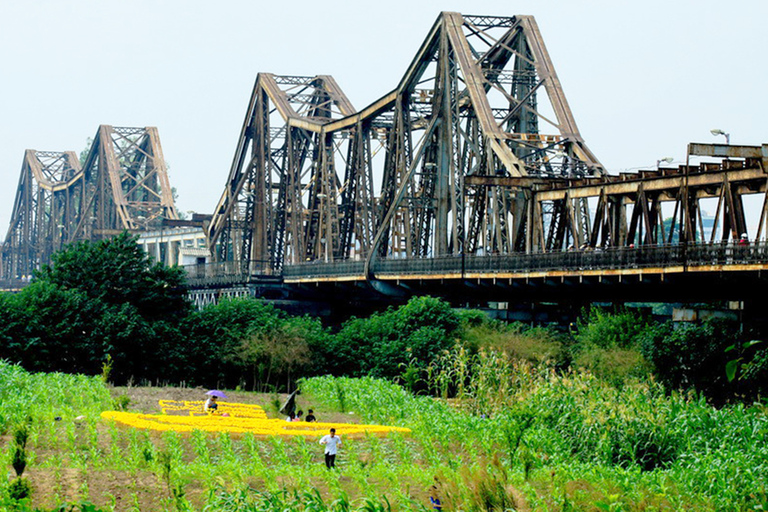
643,78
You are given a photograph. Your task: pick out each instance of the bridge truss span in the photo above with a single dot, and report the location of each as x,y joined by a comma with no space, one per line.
472,167
313,179
122,184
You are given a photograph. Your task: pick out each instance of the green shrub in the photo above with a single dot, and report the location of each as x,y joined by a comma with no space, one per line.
19,459
607,343
122,402
19,488
691,356
389,343
533,344
615,365
608,329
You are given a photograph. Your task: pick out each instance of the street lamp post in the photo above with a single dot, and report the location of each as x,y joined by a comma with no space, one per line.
718,131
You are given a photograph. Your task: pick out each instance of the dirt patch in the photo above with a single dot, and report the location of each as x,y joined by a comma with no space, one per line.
122,490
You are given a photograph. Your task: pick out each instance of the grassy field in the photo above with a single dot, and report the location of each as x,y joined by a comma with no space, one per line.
515,437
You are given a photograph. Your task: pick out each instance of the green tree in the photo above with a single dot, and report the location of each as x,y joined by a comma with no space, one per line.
217,332
117,271
692,356
95,299
386,343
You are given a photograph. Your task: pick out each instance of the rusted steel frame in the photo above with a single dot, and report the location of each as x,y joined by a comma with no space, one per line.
475,200
109,167
321,228
582,225
546,71
383,104
635,225
573,226
519,104
763,212
556,222
676,214
437,186
520,221
598,224
421,60
735,218
235,179
393,206
356,222
18,254
499,51
337,95
397,162
538,242
258,235
474,81
730,151
647,224
653,184
43,211
150,193
48,183
656,219
158,159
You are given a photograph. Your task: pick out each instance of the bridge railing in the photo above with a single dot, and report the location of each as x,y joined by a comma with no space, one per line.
13,284
225,273
618,258
611,258
321,269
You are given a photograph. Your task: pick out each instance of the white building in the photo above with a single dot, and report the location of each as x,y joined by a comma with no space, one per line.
176,245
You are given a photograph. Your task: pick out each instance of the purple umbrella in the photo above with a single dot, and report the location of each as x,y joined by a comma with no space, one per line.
216,393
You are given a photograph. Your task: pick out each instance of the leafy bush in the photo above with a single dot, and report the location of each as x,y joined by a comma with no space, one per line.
607,343
517,340
691,356
608,329
95,299
384,344
19,489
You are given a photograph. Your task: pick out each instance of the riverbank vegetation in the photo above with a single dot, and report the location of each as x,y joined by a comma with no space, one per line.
620,412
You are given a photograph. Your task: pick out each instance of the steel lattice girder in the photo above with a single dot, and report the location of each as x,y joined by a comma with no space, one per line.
44,211
122,185
125,183
302,183
627,209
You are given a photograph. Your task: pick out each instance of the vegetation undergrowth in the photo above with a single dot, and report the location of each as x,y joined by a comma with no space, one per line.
620,413
549,441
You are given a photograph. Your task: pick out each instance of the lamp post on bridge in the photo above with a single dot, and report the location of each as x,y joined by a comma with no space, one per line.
718,131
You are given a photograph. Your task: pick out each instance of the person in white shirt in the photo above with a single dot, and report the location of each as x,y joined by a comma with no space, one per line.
210,405
331,442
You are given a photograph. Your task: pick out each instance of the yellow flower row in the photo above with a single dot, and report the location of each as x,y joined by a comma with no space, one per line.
195,407
233,424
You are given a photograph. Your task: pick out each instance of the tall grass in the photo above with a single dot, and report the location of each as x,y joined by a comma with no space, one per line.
46,396
512,435
536,432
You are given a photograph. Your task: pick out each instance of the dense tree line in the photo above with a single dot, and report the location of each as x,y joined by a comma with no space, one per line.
106,306
108,303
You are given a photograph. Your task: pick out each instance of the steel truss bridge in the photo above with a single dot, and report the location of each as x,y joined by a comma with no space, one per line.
467,181
122,184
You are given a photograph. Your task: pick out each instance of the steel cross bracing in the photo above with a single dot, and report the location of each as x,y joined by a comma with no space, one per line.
122,185
315,180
